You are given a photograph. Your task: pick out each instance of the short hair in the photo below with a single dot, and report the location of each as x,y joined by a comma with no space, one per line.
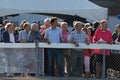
96,24
52,19
33,24
64,23
103,21
8,25
47,19
22,23
76,23
26,24
87,24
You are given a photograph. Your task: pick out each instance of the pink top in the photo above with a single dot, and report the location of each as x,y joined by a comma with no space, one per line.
65,37
104,35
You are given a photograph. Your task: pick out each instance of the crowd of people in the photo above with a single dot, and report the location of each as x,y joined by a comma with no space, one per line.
65,62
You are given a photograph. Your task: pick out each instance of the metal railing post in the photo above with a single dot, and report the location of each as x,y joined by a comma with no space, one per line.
37,59
104,67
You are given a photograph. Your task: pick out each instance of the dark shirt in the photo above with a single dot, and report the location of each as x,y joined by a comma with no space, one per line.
2,29
35,36
6,37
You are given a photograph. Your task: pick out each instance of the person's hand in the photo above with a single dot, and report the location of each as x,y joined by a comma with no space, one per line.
88,42
76,44
111,42
48,42
23,41
35,41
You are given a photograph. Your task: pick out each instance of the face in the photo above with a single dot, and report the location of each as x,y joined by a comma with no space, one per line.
79,27
35,28
64,26
27,28
117,29
88,31
54,24
47,23
10,29
105,25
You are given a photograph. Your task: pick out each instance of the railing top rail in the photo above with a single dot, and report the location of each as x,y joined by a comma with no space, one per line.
60,45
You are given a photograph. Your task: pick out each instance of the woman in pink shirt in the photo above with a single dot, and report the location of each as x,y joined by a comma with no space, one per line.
102,36
66,52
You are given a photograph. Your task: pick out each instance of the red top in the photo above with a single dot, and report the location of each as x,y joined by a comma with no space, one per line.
104,35
89,51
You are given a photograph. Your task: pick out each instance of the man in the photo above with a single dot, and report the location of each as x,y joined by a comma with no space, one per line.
8,35
77,55
54,35
35,36
102,35
24,57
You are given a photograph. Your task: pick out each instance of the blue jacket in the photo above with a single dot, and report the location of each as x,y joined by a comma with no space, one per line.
6,37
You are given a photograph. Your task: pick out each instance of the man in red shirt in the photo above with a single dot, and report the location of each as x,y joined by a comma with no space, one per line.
102,35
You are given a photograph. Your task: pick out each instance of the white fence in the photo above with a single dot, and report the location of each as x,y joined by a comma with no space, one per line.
36,46
60,45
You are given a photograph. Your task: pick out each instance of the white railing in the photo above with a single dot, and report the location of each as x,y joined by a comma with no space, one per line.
60,45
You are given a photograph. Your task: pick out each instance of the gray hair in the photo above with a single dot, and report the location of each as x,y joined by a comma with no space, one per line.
77,23
33,25
47,19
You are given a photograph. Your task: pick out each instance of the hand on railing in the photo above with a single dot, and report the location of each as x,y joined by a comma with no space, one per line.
75,43
46,40
88,42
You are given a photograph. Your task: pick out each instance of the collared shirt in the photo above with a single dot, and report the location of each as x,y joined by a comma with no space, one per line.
53,35
12,38
24,35
35,36
105,35
78,37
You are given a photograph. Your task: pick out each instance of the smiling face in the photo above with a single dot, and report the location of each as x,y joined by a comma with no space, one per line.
104,24
54,24
78,26
64,26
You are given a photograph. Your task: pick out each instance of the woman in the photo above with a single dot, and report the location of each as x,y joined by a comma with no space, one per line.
9,37
115,54
88,52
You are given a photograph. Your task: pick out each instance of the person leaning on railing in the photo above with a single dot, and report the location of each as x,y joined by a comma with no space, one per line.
24,56
102,36
9,37
66,52
77,55
54,35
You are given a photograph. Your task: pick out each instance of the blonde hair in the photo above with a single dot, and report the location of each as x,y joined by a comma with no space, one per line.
64,23
8,25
